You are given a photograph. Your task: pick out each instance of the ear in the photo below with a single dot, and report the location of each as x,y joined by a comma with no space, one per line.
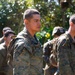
25,21
71,23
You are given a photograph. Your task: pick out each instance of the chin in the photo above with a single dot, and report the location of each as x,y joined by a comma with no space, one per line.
38,30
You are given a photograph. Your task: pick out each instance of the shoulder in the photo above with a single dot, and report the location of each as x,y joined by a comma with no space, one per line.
2,40
47,44
51,42
63,39
2,46
21,42
2,50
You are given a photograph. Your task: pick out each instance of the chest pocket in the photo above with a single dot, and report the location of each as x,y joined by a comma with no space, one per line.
37,49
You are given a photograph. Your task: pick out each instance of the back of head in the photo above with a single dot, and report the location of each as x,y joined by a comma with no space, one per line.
72,19
28,14
58,31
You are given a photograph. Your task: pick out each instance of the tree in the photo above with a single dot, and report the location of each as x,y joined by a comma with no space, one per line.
11,14
52,15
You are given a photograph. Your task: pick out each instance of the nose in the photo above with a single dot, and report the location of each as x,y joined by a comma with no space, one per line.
39,23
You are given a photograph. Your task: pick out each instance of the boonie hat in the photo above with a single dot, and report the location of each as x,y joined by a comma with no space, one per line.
58,31
9,32
6,28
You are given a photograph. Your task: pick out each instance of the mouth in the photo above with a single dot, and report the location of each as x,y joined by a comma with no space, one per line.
39,26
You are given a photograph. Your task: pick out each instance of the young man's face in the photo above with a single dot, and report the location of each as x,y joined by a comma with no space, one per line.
34,23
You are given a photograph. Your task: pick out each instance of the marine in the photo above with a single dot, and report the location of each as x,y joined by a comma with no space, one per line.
27,50
3,31
66,50
49,51
4,68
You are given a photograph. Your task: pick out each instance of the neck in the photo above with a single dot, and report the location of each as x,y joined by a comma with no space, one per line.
71,32
32,33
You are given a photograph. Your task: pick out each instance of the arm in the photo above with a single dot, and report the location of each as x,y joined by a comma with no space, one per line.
46,52
2,56
63,59
21,57
52,60
1,59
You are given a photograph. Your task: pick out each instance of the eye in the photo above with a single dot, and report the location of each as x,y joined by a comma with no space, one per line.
36,20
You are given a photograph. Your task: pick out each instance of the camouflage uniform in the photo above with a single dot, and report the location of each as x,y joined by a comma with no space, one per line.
47,51
3,61
66,55
27,57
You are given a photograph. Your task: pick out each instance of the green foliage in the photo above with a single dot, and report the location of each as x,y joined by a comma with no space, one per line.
11,13
50,14
53,15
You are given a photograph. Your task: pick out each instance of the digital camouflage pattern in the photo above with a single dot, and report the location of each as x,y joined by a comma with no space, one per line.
49,55
10,51
3,59
27,56
66,55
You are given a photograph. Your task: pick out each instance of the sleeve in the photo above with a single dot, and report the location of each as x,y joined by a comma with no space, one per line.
21,57
62,58
1,40
46,52
19,46
22,45
52,60
1,61
2,57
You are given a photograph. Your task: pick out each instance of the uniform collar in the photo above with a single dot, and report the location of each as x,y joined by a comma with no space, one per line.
69,37
25,33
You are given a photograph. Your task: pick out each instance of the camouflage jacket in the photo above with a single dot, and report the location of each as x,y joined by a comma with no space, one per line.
66,55
27,56
49,49
3,59
49,55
